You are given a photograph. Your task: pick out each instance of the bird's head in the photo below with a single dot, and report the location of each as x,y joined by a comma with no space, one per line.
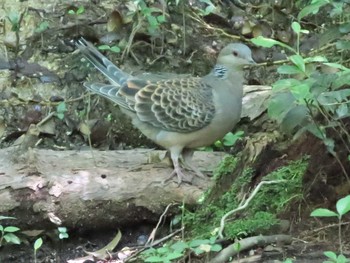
235,55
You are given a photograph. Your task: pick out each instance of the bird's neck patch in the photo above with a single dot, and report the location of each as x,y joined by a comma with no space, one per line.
220,71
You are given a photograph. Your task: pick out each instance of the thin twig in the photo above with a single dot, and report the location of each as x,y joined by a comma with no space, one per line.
246,203
153,233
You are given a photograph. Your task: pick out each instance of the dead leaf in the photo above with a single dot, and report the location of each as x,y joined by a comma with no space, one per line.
115,21
103,252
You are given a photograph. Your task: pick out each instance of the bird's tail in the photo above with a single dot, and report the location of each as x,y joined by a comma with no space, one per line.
115,75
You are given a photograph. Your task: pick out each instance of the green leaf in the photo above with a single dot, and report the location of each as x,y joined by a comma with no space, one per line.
42,27
62,229
343,44
301,92
343,205
268,42
63,235
311,9
12,238
323,212
336,65
297,116
13,17
198,242
154,259
343,78
179,246
313,129
333,97
155,9
230,139
11,229
342,259
80,10
344,28
149,251
115,49
6,217
145,10
296,27
152,21
336,11
216,248
71,12
288,69
342,111
198,250
38,243
304,31
279,105
218,144
330,254
329,143
212,239
174,255
264,42
60,116
283,84
298,61
61,108
315,59
163,250
161,19
104,47
209,9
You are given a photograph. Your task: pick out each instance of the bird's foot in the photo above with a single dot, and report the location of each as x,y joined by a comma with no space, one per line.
181,177
187,155
196,171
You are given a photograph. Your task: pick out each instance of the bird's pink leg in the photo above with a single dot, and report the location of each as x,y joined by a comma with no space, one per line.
181,177
187,155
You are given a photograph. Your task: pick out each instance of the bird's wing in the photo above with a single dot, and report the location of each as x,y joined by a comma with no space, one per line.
178,105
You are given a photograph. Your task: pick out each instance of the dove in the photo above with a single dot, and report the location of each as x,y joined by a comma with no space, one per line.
179,113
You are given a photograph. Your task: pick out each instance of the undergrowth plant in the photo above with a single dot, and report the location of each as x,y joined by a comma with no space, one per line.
306,93
62,233
177,250
78,11
113,48
342,207
153,15
37,245
7,233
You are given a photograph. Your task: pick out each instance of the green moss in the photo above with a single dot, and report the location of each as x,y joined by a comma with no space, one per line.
261,213
226,166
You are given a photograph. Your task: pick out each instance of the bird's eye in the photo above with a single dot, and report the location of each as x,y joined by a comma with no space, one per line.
235,53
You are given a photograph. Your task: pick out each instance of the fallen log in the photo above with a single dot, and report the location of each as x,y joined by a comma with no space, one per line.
87,189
